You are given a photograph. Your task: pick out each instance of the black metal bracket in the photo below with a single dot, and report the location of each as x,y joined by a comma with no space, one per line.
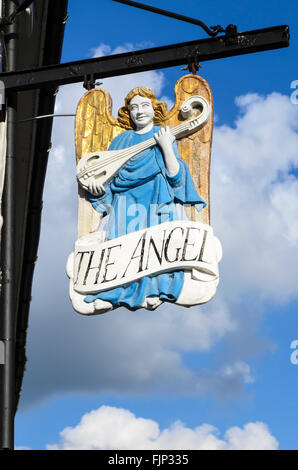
89,81
192,52
193,61
212,31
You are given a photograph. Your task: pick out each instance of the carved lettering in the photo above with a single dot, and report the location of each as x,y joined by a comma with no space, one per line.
107,264
158,249
200,258
159,254
82,253
141,255
187,244
99,266
88,267
167,245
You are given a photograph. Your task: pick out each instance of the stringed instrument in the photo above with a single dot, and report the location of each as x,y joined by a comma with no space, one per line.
103,166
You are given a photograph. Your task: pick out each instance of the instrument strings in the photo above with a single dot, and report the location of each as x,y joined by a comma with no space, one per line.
130,151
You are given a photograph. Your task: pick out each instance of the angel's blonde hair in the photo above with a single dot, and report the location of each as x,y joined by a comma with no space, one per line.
160,108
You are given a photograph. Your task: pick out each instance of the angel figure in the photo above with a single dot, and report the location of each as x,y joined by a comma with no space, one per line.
143,193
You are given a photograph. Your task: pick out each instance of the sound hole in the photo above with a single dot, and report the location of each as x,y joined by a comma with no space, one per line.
103,173
92,160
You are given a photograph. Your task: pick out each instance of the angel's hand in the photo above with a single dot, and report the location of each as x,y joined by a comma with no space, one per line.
96,188
164,138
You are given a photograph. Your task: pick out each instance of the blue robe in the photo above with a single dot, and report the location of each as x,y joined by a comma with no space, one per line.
143,194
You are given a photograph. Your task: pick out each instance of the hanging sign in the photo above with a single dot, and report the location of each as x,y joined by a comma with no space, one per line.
144,232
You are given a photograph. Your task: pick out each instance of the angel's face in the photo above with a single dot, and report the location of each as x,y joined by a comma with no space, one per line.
141,112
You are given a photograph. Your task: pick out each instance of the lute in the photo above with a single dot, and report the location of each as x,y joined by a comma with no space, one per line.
103,166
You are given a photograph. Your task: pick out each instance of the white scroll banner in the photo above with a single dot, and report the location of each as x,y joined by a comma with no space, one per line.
101,265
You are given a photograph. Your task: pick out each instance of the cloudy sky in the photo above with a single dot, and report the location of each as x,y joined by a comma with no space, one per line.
217,376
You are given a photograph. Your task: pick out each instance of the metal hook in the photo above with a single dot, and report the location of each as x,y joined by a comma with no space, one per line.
89,82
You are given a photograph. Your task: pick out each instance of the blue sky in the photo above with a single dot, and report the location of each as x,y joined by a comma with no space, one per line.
226,363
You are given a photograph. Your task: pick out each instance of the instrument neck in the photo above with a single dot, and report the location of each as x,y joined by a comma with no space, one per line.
175,131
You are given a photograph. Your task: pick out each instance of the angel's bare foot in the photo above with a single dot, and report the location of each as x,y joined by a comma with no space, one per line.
81,306
102,306
152,302
92,308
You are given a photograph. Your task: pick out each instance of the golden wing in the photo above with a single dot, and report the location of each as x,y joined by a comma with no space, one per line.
196,148
95,128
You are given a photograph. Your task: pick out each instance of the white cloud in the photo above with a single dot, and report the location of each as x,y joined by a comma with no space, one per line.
284,197
135,352
104,49
238,368
254,198
120,86
123,352
117,428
